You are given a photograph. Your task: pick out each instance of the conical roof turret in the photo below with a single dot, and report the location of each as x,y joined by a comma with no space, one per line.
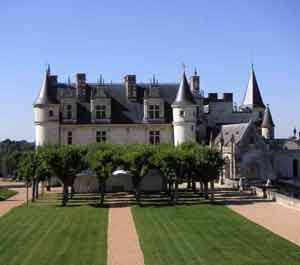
45,96
267,119
184,95
253,98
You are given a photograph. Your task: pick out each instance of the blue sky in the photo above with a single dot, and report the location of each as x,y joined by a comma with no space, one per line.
220,38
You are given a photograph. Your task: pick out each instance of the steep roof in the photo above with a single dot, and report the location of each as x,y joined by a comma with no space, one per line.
124,110
267,119
253,97
45,96
236,131
184,95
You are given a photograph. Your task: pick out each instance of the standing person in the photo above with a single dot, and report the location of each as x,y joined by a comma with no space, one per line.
241,184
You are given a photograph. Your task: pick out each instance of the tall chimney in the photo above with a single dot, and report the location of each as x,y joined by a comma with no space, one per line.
130,86
195,84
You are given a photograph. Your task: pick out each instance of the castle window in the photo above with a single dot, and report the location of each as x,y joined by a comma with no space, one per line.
51,113
153,112
101,136
181,113
295,167
154,137
69,112
100,112
70,138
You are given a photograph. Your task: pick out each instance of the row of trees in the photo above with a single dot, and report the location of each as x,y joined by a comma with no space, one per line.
188,162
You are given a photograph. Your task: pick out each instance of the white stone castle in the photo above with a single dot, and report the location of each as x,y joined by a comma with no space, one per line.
153,113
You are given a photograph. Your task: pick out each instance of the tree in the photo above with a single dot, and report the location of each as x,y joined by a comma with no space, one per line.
137,159
104,162
64,162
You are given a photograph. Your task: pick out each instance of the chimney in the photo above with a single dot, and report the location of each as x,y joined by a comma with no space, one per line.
195,84
80,79
130,86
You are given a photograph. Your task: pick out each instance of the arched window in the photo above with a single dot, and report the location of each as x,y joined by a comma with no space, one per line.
69,112
295,167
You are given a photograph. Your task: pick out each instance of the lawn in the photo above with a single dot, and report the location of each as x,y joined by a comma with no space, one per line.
46,233
208,235
6,193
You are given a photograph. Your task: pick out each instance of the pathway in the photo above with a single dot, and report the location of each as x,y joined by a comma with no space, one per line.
14,201
122,239
281,220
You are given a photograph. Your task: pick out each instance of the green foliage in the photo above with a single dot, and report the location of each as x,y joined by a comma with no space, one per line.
6,193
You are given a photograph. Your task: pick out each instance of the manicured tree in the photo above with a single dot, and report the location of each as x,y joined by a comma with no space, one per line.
104,162
65,162
26,171
137,159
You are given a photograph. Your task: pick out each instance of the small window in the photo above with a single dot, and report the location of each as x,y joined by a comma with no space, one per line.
100,112
192,128
51,113
153,112
154,137
70,138
69,112
181,113
101,136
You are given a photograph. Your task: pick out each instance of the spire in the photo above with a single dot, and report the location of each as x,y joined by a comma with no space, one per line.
253,97
267,119
184,95
44,95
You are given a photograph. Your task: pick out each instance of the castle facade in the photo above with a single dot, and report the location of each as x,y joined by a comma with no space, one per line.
154,113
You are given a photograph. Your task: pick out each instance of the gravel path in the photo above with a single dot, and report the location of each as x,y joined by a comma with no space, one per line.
14,201
123,243
281,220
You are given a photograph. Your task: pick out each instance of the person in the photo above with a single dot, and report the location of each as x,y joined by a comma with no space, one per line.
268,186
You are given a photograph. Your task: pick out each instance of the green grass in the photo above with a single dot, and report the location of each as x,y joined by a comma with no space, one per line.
208,235
6,193
46,233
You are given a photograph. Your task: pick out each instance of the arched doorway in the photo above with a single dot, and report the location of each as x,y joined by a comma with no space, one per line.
227,167
252,170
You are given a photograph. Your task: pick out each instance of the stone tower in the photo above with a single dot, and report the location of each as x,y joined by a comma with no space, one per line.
184,114
46,112
267,126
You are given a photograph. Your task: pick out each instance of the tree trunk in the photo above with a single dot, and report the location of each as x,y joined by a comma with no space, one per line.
72,190
201,189
65,194
206,189
212,185
189,183
37,190
193,185
137,192
33,191
175,192
27,193
102,193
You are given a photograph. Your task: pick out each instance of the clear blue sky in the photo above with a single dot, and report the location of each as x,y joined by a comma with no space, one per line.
220,38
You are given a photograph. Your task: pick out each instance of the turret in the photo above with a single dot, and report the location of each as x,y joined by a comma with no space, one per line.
267,126
184,114
253,99
46,112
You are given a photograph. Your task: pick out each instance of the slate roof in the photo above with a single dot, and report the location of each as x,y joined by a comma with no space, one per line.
267,119
124,110
253,97
237,130
46,95
184,95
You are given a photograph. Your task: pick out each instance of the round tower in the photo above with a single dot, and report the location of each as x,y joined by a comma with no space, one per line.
267,126
46,112
184,114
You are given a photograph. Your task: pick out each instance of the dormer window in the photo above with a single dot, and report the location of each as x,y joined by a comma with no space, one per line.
69,112
51,113
181,113
153,112
70,138
100,112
